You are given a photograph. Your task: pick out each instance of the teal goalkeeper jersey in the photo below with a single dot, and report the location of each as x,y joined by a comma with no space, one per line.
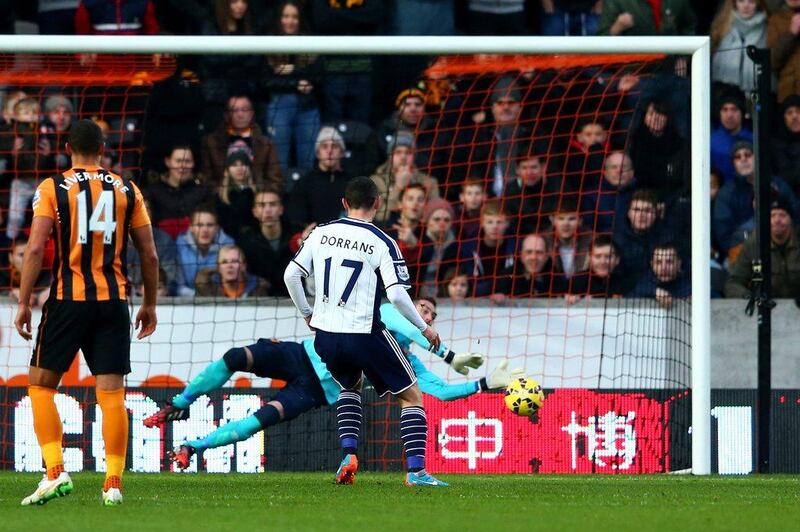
405,333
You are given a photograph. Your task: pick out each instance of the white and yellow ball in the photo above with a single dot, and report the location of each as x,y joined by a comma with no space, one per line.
524,396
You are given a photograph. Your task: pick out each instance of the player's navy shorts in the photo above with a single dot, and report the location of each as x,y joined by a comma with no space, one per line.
288,362
377,355
100,329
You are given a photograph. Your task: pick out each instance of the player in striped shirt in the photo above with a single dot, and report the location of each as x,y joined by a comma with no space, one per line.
310,384
91,213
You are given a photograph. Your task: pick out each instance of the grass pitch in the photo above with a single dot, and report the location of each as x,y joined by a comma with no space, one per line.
378,501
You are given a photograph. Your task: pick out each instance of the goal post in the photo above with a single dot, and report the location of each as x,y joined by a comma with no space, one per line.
696,47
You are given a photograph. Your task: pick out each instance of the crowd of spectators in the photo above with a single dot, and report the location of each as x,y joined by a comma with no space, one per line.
548,182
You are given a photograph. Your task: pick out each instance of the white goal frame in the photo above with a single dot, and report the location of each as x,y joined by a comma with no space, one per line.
697,47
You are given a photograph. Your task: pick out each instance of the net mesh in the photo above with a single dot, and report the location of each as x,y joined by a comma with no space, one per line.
516,187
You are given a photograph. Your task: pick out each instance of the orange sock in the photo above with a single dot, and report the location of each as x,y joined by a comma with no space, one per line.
47,425
115,431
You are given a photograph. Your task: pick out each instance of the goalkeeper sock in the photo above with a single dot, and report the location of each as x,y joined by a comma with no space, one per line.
348,416
47,425
115,429
228,433
414,433
213,377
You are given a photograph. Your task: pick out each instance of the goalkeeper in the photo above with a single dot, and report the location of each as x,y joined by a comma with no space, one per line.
309,384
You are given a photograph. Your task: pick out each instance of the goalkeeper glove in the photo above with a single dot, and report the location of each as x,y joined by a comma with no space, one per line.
462,361
500,377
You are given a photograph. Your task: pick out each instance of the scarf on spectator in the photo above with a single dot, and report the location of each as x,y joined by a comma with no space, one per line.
655,5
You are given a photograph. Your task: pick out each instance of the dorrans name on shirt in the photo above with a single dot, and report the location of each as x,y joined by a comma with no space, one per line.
86,176
347,244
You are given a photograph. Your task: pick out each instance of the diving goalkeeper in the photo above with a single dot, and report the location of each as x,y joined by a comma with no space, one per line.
309,384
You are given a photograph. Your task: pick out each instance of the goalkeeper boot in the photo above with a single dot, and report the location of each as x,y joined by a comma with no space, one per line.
49,490
182,456
112,491
346,474
167,414
423,478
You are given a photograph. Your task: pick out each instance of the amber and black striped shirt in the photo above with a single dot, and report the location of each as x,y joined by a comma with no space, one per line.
94,211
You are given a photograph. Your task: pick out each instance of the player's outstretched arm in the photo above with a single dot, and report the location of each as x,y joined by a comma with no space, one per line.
31,267
146,319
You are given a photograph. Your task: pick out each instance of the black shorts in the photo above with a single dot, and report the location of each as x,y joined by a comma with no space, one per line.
377,355
100,329
289,362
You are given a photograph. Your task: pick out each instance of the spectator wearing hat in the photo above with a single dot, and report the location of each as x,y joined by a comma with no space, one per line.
786,143
317,196
292,117
240,132
731,129
783,30
438,218
177,192
234,199
393,176
58,111
734,202
409,117
736,26
489,150
784,253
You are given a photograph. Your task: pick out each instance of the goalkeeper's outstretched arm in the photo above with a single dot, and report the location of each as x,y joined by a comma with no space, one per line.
433,385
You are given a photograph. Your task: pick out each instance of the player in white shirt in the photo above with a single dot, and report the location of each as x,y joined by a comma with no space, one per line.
354,265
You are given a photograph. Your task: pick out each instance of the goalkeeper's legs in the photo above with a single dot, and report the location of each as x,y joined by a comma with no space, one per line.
299,395
111,398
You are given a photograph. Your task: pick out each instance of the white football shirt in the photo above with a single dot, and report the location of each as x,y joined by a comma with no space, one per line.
353,263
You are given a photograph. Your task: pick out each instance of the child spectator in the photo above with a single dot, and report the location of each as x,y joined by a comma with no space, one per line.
456,286
568,246
468,210
11,276
585,155
490,257
199,246
234,199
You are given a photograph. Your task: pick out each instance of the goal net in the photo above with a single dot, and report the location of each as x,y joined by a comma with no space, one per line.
545,196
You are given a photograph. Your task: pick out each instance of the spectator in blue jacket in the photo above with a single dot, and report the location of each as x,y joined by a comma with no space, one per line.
731,129
607,207
734,203
198,247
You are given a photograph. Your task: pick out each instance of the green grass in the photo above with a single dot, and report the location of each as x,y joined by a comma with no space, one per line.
309,501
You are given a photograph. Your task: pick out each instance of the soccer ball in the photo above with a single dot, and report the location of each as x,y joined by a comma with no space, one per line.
524,396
